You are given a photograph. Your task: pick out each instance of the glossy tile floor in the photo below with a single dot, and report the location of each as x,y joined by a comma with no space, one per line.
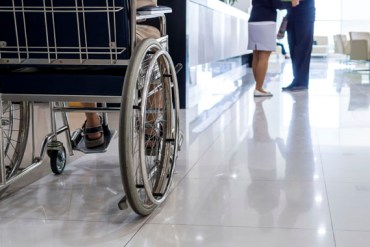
292,170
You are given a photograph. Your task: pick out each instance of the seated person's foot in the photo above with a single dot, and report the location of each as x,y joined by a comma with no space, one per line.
93,136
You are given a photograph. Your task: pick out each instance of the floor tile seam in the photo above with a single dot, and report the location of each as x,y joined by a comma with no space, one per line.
351,230
220,134
260,180
145,222
89,176
236,226
201,157
231,98
348,183
55,187
70,196
344,128
211,145
39,182
326,95
30,219
327,196
195,163
215,121
241,93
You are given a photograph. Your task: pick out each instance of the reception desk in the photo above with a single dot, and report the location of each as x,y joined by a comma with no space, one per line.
203,32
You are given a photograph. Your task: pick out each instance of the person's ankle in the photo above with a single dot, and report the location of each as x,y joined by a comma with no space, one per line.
94,136
260,90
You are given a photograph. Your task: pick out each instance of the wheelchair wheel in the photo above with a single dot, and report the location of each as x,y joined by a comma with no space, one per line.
58,160
15,123
149,127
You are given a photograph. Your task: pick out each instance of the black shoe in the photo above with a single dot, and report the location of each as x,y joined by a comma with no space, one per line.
287,88
298,88
295,88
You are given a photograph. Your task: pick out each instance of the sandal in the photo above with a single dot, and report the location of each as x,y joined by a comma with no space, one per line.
93,142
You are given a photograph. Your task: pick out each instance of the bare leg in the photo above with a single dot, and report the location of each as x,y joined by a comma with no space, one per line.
92,120
260,65
255,63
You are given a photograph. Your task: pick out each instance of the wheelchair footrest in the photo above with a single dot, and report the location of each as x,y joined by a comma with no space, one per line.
100,149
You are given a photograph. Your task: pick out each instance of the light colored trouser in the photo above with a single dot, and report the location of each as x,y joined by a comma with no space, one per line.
141,3
145,31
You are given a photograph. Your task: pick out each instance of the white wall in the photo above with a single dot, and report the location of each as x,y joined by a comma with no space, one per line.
211,29
344,16
243,5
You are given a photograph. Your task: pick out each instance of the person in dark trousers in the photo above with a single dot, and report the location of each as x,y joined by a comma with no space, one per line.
300,31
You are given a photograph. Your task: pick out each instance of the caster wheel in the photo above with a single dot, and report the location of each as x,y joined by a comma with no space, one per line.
58,160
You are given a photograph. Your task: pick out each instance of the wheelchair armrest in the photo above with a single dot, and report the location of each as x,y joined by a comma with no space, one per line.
154,10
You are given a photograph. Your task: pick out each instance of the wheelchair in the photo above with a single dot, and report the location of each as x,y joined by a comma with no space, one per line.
60,51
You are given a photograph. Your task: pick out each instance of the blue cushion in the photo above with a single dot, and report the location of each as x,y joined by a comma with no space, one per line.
87,81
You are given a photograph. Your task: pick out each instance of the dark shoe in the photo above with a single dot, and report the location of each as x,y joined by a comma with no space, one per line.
96,142
287,88
299,88
295,88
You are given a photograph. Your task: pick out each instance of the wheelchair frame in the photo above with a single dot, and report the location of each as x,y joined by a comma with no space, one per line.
149,89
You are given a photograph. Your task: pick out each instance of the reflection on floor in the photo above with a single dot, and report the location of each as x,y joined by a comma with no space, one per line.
292,170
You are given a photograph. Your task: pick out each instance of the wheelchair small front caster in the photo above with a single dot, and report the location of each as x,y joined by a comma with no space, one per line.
58,157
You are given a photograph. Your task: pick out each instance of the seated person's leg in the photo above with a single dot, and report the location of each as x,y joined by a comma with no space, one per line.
146,31
93,130
142,3
143,30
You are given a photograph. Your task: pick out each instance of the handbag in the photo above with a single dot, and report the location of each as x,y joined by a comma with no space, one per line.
282,28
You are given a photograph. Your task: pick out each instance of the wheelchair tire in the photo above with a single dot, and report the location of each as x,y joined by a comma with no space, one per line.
15,127
58,160
149,115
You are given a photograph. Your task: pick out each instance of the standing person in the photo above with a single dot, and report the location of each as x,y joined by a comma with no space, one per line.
262,39
300,31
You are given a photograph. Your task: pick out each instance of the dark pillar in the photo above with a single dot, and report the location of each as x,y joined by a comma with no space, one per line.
176,29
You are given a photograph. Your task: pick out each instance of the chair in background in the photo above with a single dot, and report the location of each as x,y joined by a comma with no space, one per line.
320,47
360,46
341,44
